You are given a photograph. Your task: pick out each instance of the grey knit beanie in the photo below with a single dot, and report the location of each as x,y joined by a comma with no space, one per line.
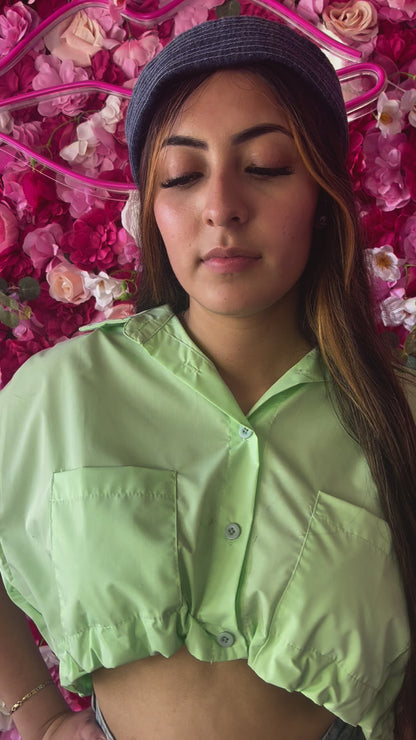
230,42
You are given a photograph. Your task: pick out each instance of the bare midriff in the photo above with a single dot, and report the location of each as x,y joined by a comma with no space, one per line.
181,698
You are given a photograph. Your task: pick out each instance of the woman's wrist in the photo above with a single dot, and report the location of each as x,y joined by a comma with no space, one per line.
35,716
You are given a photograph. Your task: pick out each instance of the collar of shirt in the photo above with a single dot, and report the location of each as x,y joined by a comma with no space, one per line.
160,332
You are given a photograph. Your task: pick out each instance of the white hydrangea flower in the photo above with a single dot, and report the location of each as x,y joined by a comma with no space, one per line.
130,215
111,114
389,115
383,263
104,289
397,310
408,105
6,122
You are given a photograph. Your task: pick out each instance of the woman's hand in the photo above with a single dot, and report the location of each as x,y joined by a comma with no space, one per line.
74,726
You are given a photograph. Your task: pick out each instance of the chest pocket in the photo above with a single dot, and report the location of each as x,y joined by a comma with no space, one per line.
342,618
114,546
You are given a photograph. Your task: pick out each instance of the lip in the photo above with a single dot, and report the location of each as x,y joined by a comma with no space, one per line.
229,260
228,253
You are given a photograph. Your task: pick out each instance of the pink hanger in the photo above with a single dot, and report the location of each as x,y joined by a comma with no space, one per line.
355,107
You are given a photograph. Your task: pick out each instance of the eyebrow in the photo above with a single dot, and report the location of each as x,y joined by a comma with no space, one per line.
240,138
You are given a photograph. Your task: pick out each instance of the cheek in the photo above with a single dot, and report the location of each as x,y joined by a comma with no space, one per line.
173,220
165,218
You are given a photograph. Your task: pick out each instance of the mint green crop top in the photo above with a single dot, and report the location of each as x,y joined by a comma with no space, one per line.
141,510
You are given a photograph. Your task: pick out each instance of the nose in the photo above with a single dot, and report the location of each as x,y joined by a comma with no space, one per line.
225,204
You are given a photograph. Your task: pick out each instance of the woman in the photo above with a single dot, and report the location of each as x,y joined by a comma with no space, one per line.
218,542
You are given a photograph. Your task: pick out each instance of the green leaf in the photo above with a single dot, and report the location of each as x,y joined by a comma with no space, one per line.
228,9
8,302
8,318
29,289
3,285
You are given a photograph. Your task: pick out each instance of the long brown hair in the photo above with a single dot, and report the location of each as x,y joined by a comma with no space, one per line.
335,315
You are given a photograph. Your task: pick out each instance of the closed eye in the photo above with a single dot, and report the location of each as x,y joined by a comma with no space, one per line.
180,181
269,171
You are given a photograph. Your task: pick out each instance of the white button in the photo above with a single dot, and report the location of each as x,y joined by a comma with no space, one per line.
232,531
245,433
226,639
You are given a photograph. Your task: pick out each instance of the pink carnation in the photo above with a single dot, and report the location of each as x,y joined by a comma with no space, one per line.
61,320
53,72
397,10
135,53
9,230
15,22
93,242
18,78
128,252
14,354
15,264
311,9
80,200
42,244
29,133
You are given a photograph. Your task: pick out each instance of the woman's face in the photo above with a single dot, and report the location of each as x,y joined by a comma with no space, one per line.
234,203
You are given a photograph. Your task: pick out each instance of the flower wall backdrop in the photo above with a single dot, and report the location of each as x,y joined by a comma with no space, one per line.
68,256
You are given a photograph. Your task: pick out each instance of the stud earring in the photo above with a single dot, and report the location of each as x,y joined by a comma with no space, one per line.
321,223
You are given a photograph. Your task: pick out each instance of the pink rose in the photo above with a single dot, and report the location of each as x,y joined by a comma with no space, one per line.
42,244
66,284
136,53
15,22
353,21
77,39
9,230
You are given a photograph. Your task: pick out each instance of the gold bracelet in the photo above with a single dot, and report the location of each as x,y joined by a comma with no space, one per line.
19,703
